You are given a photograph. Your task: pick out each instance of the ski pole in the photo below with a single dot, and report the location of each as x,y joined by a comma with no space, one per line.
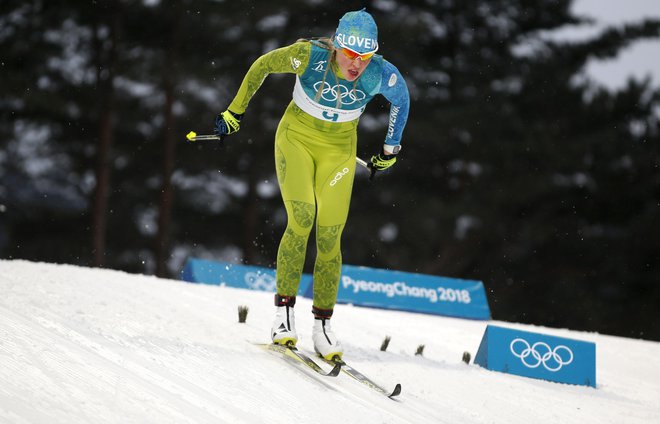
366,166
362,163
192,136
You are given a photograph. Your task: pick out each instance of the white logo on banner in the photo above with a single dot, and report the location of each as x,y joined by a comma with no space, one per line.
402,289
259,281
541,353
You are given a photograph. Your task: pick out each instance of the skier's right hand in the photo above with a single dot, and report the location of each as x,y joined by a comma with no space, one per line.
227,123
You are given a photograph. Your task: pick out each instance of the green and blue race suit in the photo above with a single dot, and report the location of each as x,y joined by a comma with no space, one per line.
315,152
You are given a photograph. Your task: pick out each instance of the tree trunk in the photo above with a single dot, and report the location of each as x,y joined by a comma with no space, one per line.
167,190
105,63
170,136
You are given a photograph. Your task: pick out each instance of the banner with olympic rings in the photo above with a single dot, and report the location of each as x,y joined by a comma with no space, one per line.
233,275
538,356
360,286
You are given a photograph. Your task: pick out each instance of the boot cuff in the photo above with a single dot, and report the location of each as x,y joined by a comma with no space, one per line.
322,313
289,301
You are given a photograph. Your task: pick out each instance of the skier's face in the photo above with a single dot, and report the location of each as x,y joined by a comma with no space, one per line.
351,65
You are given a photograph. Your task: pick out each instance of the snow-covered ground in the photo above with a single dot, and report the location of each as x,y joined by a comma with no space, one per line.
80,345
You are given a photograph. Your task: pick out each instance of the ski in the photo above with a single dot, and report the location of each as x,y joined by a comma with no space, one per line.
363,378
293,354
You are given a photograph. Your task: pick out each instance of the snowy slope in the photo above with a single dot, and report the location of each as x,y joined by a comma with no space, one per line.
81,345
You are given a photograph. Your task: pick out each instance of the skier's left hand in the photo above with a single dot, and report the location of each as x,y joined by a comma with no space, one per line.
382,161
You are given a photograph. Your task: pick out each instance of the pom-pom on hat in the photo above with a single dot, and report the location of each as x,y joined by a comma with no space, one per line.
357,31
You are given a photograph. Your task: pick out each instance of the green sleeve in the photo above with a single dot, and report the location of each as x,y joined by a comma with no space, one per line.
290,59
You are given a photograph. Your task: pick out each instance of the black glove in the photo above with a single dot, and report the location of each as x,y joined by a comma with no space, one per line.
227,123
382,161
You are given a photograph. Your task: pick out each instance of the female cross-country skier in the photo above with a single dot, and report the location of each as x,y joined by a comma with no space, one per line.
315,155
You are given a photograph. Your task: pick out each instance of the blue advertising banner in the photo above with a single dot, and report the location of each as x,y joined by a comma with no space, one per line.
232,275
538,356
404,291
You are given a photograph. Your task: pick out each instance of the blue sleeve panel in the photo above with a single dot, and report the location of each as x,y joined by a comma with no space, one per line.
395,90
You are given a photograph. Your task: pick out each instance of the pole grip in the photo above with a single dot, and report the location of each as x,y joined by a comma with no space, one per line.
366,165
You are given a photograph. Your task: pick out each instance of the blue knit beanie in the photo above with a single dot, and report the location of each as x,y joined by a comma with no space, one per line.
358,32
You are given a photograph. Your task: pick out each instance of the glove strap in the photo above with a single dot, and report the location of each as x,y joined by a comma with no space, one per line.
233,123
381,162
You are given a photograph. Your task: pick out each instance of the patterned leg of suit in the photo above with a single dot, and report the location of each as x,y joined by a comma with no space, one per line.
315,172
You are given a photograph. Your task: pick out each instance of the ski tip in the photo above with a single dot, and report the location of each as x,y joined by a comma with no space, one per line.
191,136
397,390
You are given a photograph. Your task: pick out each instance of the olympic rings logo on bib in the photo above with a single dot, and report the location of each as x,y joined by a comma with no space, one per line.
541,353
339,92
